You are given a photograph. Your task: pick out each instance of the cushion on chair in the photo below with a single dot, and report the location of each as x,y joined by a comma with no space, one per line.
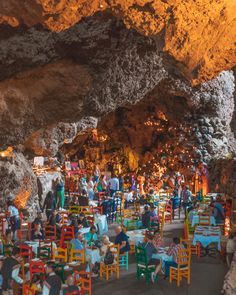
144,266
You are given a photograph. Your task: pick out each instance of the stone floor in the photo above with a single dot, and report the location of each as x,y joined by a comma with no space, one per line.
207,276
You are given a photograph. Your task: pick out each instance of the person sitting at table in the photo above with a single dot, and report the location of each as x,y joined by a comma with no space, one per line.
78,243
151,197
218,212
71,287
173,252
105,246
122,240
37,233
157,240
83,199
10,271
52,284
146,216
73,221
91,236
82,220
186,198
37,220
54,220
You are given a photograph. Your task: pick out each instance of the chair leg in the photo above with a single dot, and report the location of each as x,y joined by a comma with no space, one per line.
178,279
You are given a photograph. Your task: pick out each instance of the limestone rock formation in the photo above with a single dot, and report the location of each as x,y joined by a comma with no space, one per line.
199,35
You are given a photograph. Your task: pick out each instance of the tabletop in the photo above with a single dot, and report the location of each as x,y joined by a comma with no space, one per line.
207,235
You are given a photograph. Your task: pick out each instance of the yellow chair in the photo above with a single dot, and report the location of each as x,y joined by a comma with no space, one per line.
74,209
183,268
137,208
109,269
77,255
128,213
87,210
60,254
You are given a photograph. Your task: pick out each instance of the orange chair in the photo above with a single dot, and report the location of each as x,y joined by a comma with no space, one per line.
183,268
195,250
67,234
204,220
77,255
26,252
83,279
38,268
168,212
50,232
78,292
27,290
60,254
109,269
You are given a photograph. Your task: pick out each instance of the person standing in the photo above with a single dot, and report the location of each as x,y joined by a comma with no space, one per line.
91,188
52,285
113,184
10,272
14,218
49,204
186,198
60,194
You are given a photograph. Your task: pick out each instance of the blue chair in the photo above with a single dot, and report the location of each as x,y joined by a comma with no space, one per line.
124,260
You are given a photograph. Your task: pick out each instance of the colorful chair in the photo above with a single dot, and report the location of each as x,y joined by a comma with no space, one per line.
77,255
37,267
124,260
183,268
60,254
83,279
109,269
27,290
50,233
142,267
67,234
26,252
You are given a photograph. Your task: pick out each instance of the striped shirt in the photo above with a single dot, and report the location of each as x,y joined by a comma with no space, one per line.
173,251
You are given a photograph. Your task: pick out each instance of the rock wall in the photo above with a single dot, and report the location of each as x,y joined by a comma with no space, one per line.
199,35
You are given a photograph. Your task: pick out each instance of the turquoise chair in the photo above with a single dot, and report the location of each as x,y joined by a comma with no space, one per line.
124,260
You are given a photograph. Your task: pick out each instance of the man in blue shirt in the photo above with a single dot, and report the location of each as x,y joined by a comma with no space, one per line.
218,212
122,239
78,243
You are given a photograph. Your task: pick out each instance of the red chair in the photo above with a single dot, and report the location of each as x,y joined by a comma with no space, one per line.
50,232
27,290
83,279
26,251
67,234
38,268
168,212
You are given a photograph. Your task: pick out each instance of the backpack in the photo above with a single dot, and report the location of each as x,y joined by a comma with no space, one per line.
109,257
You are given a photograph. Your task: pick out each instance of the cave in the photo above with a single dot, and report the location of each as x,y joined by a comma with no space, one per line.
144,88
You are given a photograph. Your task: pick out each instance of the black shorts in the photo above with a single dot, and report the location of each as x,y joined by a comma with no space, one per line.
154,261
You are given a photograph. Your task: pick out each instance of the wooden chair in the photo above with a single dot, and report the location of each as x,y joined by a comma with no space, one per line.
27,290
37,267
124,260
204,220
132,247
109,269
77,292
77,255
168,212
74,209
195,250
137,208
127,213
183,268
60,254
83,279
67,234
50,232
26,252
45,249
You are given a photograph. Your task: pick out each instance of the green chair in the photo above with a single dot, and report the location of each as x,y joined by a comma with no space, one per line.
7,250
60,271
142,267
124,260
44,252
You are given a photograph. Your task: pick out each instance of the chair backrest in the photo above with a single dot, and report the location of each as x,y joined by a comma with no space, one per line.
128,213
67,234
115,249
141,255
27,290
36,267
184,256
137,207
86,209
204,220
60,253
77,255
77,292
168,207
26,251
50,232
83,279
74,209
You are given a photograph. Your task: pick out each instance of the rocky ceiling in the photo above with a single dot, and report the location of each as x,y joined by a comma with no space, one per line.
65,63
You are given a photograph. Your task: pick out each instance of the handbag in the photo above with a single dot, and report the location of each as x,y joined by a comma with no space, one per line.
109,258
